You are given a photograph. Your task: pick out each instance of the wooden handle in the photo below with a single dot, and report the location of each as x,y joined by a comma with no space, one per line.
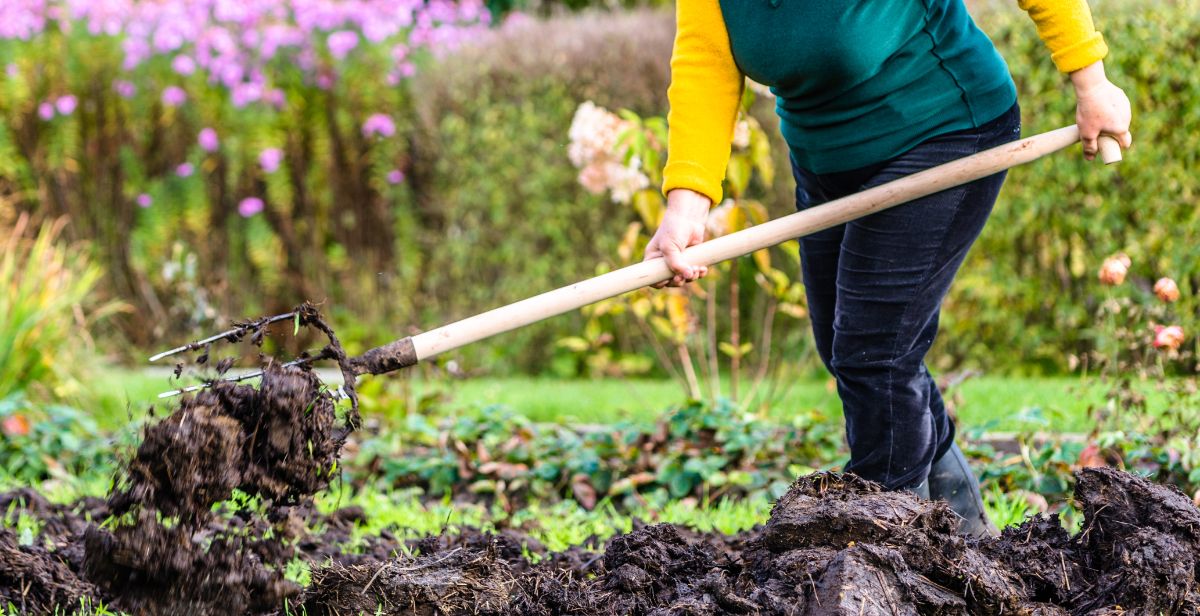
1110,149
811,220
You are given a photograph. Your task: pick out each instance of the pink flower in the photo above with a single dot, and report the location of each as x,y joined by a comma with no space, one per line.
208,140
379,124
184,65
1170,337
144,200
1166,290
46,111
12,70
341,43
174,96
395,176
276,98
1113,270
246,93
124,89
250,206
66,104
269,159
184,170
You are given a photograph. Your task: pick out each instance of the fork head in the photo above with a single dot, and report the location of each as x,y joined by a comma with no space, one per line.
255,331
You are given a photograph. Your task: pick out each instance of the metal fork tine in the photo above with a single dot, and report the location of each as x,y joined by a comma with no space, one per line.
232,379
199,343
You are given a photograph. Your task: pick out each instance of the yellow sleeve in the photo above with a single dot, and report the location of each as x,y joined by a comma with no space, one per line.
1065,26
705,92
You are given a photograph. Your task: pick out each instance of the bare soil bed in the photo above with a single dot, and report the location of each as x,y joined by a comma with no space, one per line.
162,542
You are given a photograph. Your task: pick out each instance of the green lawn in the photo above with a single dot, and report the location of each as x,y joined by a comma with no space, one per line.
991,403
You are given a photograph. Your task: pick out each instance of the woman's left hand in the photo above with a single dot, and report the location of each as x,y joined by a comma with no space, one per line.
1102,108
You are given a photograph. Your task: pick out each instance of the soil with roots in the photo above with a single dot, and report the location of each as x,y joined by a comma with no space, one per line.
166,541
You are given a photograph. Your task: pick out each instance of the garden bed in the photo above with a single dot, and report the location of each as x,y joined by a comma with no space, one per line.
215,507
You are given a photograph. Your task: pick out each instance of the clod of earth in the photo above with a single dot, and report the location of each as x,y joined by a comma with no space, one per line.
168,549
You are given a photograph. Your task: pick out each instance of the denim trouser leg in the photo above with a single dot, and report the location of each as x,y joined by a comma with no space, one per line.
875,288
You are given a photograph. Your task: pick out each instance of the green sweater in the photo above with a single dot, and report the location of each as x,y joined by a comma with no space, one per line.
860,82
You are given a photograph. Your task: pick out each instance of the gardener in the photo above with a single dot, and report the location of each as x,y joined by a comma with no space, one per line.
868,92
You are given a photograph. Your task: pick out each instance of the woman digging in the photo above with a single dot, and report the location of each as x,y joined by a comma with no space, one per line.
866,92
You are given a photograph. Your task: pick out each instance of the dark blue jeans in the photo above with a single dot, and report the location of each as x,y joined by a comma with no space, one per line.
875,288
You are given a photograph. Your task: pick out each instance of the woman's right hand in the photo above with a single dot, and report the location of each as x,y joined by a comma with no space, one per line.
682,226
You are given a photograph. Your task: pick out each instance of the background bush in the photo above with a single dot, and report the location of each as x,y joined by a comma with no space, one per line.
501,214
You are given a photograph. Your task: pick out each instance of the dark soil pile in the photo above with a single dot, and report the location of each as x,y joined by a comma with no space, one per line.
833,545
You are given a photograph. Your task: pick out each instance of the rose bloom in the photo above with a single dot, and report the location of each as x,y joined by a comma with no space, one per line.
1166,290
1170,337
1114,269
46,111
395,176
184,170
144,200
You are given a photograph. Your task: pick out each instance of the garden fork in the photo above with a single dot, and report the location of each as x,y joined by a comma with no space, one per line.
413,349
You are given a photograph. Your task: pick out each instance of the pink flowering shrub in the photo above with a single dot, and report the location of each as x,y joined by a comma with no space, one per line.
177,120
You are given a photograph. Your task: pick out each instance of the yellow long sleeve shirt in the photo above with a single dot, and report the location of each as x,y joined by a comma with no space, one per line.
856,82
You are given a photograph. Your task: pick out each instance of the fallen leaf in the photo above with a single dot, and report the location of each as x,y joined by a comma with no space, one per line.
1091,457
15,425
585,494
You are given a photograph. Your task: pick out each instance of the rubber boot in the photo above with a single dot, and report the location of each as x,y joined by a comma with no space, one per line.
951,480
921,490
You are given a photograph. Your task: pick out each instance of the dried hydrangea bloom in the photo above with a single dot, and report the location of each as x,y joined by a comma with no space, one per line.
593,134
741,135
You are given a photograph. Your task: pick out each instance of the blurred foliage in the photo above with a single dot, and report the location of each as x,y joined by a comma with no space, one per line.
45,312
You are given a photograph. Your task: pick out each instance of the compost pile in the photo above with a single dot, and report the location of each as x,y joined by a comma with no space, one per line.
217,500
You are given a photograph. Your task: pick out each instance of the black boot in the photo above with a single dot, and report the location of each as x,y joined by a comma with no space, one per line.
951,480
920,490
